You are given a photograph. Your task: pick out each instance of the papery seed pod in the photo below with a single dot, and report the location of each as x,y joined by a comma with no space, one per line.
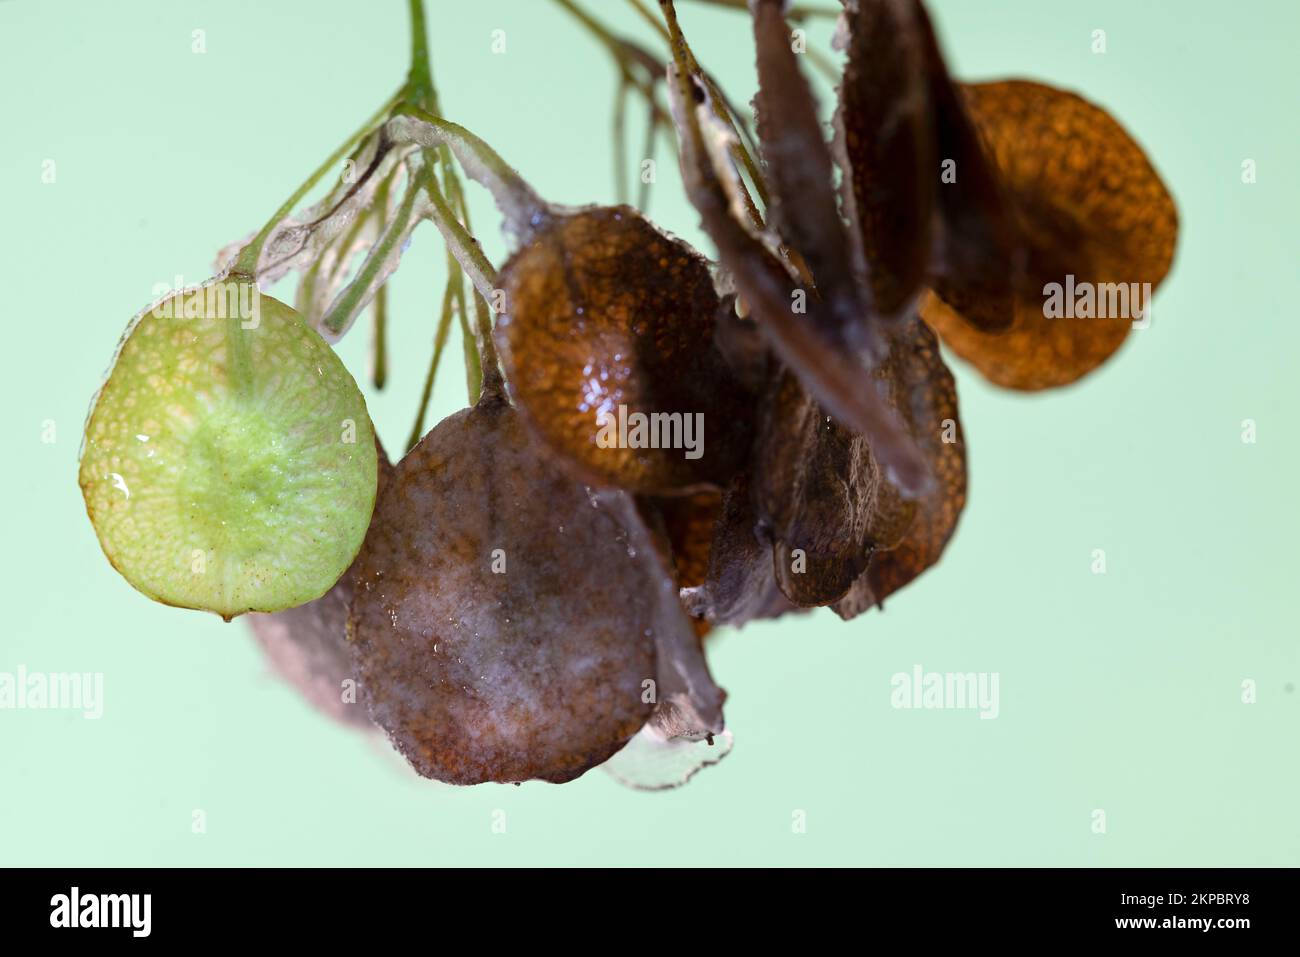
1091,213
229,462
811,345
804,208
307,646
606,342
740,585
978,262
820,523
926,205
1030,186
688,704
686,523
506,621
887,143
821,495
923,385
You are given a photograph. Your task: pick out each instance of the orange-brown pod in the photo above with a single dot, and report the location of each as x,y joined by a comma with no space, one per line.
1089,211
607,319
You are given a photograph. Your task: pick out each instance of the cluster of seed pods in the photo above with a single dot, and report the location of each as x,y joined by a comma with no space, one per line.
534,591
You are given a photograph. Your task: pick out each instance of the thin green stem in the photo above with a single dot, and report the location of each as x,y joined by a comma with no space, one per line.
688,66
473,363
469,342
464,256
490,381
740,153
439,343
683,60
420,88
468,253
345,308
379,360
618,50
482,274
620,141
344,260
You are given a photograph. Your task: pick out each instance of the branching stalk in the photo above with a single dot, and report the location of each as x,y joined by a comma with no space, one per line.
246,263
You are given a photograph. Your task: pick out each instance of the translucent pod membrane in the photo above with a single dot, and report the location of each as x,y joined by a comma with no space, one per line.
505,624
307,646
229,461
653,762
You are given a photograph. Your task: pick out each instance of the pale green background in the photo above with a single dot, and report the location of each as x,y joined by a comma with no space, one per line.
1119,692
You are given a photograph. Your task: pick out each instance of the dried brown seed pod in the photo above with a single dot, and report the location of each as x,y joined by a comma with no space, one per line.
815,490
686,524
923,385
504,623
810,343
688,704
820,522
887,138
1088,205
923,196
739,585
977,263
608,319
804,209
307,646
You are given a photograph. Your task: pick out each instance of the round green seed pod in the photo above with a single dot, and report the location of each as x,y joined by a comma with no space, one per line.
229,462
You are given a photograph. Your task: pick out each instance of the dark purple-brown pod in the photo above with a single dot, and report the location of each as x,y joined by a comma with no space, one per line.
688,703
685,524
607,344
796,333
739,585
307,646
743,348
507,621
821,496
978,264
804,208
923,385
685,732
818,523
921,191
887,143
